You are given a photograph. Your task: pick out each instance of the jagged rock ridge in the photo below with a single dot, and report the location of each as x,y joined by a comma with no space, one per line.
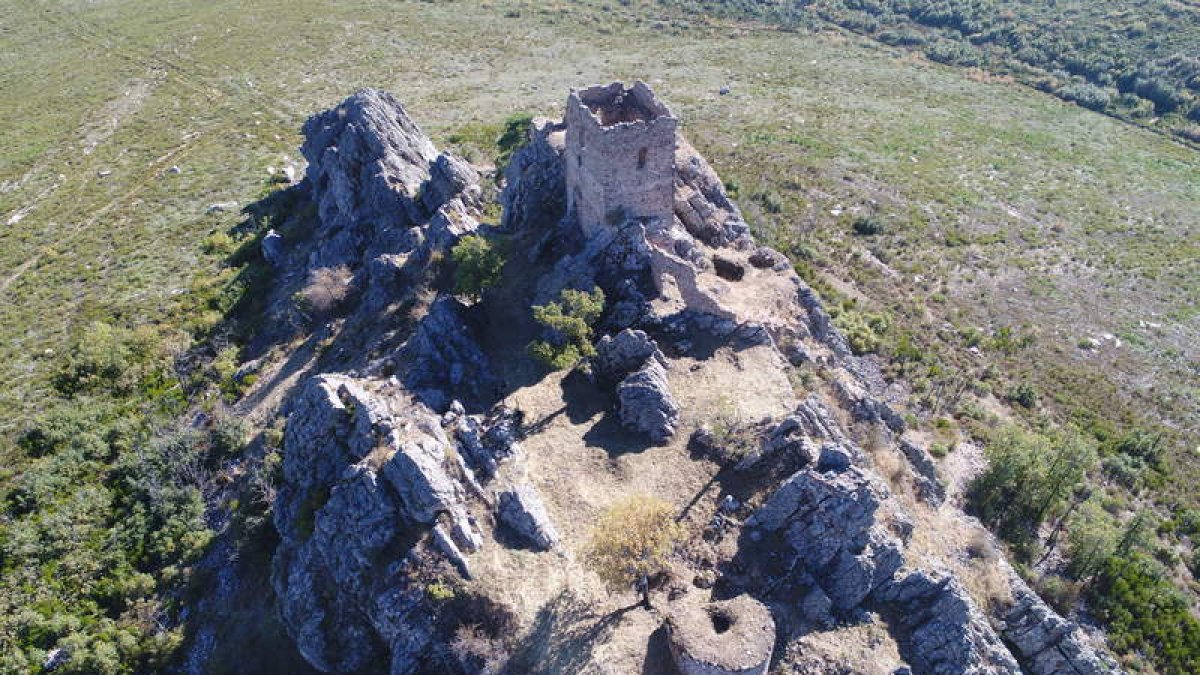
388,479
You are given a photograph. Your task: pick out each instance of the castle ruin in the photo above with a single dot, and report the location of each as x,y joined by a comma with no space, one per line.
620,156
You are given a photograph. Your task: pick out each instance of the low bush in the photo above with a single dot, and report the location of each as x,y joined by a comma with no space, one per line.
1023,394
567,328
868,226
478,265
326,291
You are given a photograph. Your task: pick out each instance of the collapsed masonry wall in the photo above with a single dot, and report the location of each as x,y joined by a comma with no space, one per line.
620,156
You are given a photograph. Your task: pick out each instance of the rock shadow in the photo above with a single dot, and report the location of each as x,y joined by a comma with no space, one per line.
608,433
564,635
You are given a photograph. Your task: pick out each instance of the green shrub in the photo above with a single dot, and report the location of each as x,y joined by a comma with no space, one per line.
440,592
1143,612
567,328
868,226
863,330
1086,95
105,359
1023,394
478,265
513,138
1092,538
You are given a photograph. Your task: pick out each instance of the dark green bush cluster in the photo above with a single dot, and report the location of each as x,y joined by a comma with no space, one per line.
107,514
1145,613
513,138
1023,394
478,265
567,327
1144,65
868,226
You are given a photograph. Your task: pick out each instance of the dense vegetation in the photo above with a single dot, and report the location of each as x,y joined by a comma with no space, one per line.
1036,482
1136,59
113,507
478,264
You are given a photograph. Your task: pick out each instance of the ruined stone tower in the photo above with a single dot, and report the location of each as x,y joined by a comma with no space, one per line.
620,156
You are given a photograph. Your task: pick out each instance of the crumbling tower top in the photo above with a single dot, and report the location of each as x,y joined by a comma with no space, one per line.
620,156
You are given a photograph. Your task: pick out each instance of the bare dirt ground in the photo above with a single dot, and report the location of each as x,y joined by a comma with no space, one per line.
581,461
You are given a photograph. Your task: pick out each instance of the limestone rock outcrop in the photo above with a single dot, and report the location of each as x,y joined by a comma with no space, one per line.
380,185
804,438
1047,644
384,466
701,203
534,196
365,471
943,633
826,524
442,360
929,484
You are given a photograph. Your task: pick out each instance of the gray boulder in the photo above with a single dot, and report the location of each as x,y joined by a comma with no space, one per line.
621,354
942,632
449,177
521,509
646,404
864,406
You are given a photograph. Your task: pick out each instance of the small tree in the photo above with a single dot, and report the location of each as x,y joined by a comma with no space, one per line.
568,327
632,542
478,264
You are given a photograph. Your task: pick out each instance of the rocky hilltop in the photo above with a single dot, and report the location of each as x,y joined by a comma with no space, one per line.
439,486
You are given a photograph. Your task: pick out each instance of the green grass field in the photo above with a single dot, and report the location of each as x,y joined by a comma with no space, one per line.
1016,227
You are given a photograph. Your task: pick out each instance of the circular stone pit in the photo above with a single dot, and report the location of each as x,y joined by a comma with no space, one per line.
724,637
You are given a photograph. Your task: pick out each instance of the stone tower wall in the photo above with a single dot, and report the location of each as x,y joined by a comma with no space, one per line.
620,156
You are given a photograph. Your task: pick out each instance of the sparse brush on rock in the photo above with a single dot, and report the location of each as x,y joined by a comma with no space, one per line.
326,291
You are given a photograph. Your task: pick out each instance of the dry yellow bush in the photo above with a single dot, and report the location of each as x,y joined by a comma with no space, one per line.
633,541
